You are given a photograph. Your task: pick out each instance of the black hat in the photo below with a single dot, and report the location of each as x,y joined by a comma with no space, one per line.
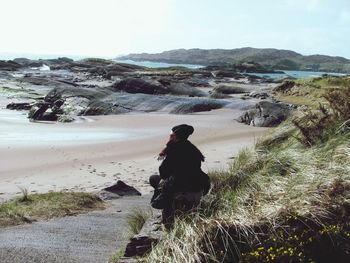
182,131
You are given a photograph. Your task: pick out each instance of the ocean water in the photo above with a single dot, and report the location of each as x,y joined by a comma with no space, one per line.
287,73
295,74
151,64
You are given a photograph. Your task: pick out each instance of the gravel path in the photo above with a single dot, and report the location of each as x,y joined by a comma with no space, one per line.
91,237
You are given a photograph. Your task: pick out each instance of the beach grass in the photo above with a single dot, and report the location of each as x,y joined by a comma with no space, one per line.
115,258
32,207
136,219
285,200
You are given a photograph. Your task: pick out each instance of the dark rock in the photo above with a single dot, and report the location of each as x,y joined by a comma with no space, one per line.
226,89
286,86
258,94
228,74
39,112
9,65
28,62
266,114
105,195
19,106
122,189
150,234
198,106
134,85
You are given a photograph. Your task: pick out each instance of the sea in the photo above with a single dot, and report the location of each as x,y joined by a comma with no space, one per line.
150,64
286,73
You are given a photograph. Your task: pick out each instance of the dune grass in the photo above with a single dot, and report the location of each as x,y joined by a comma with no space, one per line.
136,219
32,207
286,200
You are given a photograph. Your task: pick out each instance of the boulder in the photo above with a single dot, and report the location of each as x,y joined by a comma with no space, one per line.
9,65
134,85
150,234
266,114
42,112
25,62
228,74
286,86
198,105
258,94
121,188
19,106
229,89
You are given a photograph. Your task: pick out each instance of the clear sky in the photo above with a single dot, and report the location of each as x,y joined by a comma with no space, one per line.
113,27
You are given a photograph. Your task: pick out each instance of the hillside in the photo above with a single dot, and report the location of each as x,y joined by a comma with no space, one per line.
287,200
277,59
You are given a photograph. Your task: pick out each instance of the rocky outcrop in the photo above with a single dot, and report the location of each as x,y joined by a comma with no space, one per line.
198,105
229,89
134,85
259,95
9,65
286,86
150,234
121,188
266,114
19,106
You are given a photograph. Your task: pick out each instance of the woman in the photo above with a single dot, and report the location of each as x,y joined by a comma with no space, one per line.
180,171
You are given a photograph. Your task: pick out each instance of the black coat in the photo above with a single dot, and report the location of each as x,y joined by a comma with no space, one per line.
183,165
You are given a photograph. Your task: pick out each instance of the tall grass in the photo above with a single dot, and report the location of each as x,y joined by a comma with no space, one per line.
284,201
29,208
136,219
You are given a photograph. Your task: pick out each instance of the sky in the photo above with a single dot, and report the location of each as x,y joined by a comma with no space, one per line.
108,28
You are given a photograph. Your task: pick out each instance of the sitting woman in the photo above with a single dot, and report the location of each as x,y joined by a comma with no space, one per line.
183,182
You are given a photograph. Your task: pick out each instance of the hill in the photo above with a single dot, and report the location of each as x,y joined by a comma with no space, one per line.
277,59
286,200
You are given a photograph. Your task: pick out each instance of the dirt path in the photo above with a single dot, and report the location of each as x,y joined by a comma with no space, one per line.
86,238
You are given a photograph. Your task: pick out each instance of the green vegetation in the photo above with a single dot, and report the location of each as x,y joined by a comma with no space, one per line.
136,219
310,91
29,208
286,200
115,258
19,92
277,59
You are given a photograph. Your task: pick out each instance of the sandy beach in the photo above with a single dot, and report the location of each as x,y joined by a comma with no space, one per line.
95,152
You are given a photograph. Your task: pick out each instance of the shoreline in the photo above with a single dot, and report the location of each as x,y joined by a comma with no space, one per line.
93,165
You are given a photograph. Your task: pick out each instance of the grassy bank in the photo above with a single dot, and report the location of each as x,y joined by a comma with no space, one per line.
286,200
29,208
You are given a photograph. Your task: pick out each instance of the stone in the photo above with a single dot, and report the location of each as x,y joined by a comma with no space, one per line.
258,94
150,234
19,106
122,189
266,114
135,85
9,65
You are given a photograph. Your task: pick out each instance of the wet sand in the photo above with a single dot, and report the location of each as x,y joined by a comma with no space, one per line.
99,150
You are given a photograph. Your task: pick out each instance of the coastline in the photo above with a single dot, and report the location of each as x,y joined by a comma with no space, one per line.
90,165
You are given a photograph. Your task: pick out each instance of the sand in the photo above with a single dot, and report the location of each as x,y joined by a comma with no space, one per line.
96,151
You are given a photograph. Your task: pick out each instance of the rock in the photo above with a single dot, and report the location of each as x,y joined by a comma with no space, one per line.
286,86
197,105
25,62
228,74
9,65
150,234
258,94
184,89
19,106
266,114
41,112
229,89
122,189
105,195
134,85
